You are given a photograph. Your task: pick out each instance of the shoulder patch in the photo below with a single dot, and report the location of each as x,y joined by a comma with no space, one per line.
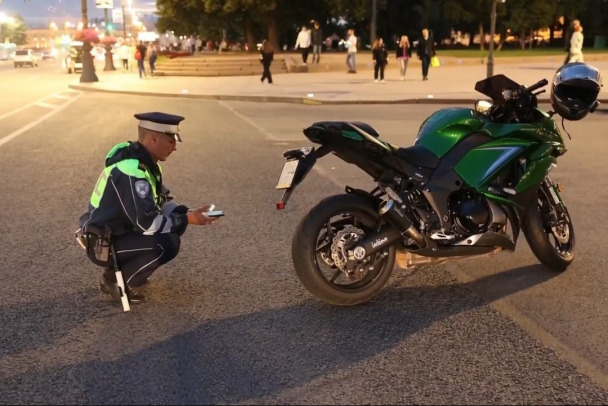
142,187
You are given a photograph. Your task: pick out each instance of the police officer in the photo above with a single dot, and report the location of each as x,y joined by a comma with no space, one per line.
131,199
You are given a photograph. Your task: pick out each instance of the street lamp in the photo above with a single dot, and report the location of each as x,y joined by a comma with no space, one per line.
88,68
372,29
108,41
492,33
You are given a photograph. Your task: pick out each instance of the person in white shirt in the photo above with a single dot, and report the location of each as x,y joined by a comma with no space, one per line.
124,53
303,42
351,52
576,42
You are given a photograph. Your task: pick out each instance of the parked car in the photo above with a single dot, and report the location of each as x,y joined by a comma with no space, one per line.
7,51
25,57
49,53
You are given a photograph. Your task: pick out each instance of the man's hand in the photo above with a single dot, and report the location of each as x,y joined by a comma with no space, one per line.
197,216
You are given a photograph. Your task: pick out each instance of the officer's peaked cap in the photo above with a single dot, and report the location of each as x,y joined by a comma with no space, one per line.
160,122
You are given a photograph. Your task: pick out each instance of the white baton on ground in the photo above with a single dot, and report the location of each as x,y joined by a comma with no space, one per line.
123,294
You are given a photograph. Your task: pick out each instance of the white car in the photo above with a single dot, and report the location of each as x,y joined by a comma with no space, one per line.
25,57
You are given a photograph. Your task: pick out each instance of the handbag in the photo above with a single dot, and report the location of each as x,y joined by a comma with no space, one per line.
434,62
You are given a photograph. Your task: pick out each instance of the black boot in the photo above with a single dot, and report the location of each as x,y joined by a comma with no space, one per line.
135,296
109,286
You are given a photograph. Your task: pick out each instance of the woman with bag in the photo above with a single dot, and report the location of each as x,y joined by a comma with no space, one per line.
404,53
266,57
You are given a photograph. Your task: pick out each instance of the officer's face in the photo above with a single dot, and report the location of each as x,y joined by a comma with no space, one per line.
164,145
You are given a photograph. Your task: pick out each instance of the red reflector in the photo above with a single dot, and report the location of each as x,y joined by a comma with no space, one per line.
280,206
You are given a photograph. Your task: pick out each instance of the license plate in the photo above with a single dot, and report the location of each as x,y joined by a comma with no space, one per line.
287,174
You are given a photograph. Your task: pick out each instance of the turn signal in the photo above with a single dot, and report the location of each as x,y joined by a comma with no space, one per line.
559,187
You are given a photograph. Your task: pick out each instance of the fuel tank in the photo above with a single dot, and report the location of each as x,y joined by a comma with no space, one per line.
446,127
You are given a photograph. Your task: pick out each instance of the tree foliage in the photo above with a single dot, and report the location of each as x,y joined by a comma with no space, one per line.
279,20
16,31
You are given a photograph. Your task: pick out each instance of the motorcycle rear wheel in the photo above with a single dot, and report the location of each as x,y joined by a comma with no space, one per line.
312,248
553,247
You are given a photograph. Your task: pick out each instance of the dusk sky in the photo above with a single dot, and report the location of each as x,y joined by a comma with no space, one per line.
42,12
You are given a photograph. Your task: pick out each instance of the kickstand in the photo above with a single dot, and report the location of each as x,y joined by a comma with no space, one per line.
121,283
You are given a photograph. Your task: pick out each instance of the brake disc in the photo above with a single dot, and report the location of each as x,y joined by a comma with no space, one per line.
341,242
561,233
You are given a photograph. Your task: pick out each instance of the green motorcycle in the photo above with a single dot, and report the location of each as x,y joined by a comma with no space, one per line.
472,181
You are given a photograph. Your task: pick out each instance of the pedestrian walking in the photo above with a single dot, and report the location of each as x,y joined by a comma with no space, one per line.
426,50
152,58
140,56
404,53
303,43
266,57
124,53
351,52
317,42
576,42
380,57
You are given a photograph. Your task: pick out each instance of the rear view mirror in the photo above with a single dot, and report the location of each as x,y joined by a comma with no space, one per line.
482,106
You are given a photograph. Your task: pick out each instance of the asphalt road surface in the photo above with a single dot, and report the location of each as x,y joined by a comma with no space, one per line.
228,321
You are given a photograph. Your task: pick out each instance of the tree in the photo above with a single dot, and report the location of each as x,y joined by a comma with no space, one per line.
15,31
523,17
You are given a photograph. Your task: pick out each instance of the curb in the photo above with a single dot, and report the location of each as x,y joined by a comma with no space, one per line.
275,99
293,99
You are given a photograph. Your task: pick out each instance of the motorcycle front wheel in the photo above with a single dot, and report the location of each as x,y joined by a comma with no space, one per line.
319,249
549,231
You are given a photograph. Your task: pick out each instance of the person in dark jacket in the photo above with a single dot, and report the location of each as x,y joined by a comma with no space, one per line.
425,51
317,42
130,198
380,57
266,57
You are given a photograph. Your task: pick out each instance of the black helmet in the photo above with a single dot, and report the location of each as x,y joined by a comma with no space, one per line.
574,90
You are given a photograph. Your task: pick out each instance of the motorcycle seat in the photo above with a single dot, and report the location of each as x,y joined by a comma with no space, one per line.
418,156
348,125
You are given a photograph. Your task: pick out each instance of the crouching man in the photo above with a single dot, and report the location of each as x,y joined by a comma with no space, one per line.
130,198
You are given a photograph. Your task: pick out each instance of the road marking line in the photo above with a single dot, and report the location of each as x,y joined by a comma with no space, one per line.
60,96
23,129
27,106
544,337
47,105
268,134
270,137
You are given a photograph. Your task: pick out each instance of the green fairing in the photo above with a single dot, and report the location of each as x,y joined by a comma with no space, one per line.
533,143
445,128
535,173
481,164
353,135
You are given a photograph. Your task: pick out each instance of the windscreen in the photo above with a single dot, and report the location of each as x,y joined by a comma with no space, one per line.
495,86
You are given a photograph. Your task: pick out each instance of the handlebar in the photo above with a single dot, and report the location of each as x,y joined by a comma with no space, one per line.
537,86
